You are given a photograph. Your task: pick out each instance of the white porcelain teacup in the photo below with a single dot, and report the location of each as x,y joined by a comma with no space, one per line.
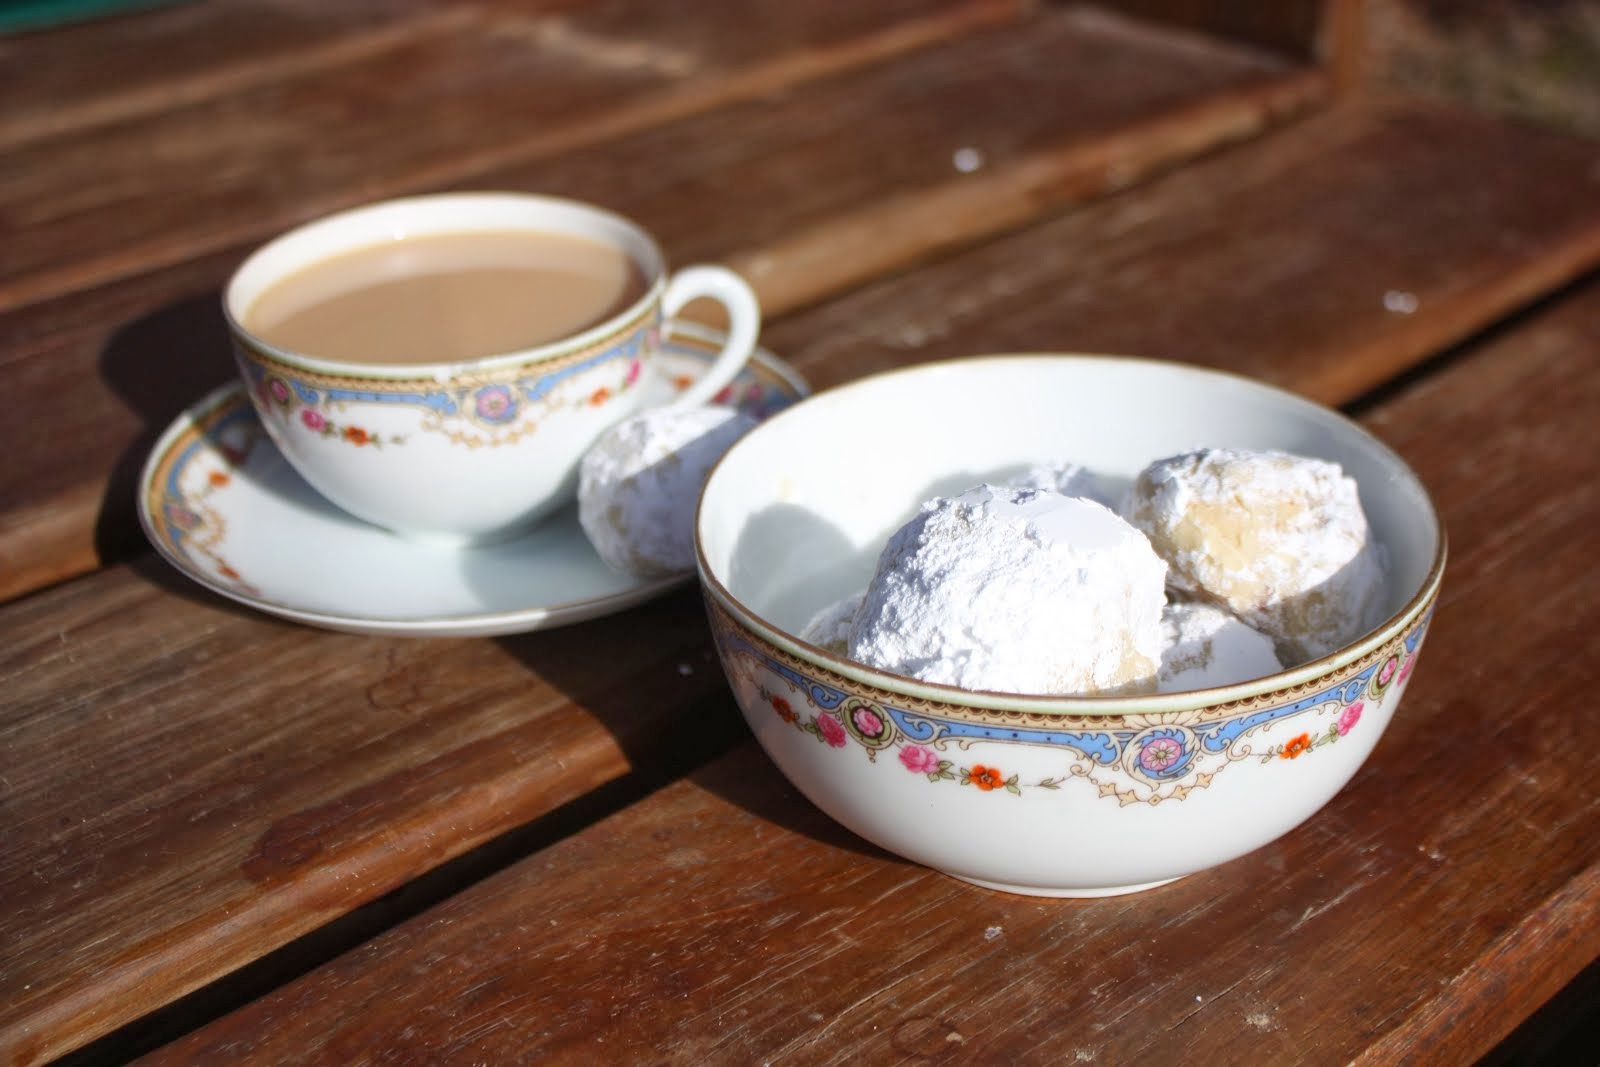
473,450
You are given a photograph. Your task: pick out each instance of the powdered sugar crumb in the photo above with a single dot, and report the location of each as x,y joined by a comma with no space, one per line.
1068,479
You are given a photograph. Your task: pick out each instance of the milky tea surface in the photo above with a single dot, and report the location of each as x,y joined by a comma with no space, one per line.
446,298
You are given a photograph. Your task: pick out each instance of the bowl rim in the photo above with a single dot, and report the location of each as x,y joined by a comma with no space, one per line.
1110,705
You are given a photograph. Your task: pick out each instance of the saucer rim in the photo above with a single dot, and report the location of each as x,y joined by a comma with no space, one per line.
476,624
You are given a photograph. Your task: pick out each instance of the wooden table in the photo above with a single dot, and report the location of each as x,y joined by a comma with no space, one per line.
226,835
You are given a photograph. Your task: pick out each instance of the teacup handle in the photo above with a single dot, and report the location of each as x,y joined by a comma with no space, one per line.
744,323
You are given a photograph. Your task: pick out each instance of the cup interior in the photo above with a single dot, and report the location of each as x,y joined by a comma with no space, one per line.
426,216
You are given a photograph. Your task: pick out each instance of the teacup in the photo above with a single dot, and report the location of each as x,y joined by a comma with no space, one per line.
469,450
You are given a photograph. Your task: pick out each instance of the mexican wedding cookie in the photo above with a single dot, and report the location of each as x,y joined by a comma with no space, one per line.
1018,590
1278,540
1203,646
639,483
830,628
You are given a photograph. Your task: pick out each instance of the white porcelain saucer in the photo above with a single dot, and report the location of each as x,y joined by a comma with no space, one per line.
225,508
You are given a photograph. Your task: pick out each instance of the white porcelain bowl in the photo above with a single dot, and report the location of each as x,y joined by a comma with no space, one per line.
1038,795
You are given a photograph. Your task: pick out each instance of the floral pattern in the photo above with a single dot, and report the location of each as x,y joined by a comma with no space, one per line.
1296,747
202,463
780,705
828,728
1130,760
1162,752
495,403
317,422
475,414
503,411
1349,717
279,393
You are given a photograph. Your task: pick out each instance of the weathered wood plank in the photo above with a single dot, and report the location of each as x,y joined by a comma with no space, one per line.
764,933
1329,256
807,190
1294,27
157,663
151,60
189,787
109,982
490,85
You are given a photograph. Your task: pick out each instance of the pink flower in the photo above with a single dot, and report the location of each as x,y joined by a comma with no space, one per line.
867,722
313,419
633,372
1405,671
1160,754
183,518
1349,717
919,759
495,403
278,390
1387,670
831,729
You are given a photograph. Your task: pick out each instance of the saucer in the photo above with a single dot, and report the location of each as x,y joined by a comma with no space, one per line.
221,504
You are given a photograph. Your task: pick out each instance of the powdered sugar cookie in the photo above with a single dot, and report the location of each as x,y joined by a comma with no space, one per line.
831,627
1017,590
1068,479
639,483
1203,646
1278,540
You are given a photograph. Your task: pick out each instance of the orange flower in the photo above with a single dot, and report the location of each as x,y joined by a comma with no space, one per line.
600,396
356,435
228,572
1294,748
218,478
781,706
682,381
986,778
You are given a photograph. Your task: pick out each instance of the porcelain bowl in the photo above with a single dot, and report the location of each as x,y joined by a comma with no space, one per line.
1084,796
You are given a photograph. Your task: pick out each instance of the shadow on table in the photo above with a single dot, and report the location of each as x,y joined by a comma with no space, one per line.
670,711
157,365
664,697
152,568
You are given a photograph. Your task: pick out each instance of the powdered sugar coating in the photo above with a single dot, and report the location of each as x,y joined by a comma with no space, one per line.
830,628
1278,540
639,483
1016,590
1203,646
1068,479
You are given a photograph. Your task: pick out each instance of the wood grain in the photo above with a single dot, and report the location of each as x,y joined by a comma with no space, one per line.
491,85
174,55
188,786
1294,27
1326,257
1442,896
807,190
165,695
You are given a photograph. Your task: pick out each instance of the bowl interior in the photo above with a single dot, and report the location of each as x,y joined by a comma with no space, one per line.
794,516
